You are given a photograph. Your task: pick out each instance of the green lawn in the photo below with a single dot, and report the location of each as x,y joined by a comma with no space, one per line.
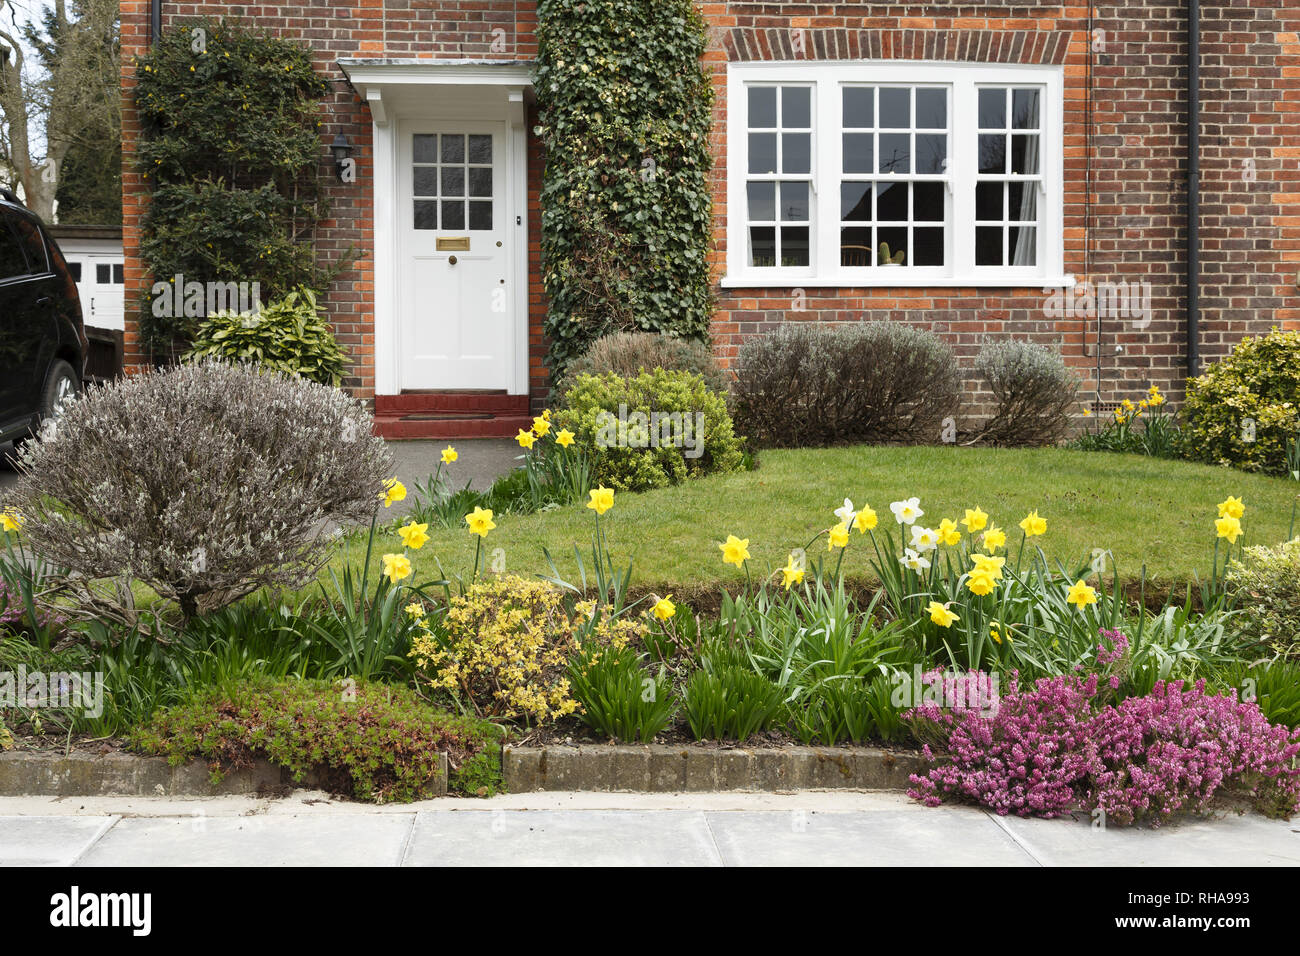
1145,510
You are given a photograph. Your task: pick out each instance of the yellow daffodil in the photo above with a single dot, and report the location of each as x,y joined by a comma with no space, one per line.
1033,525
1081,595
837,537
1127,405
546,414
981,583
995,538
413,535
940,614
1228,527
396,567
1231,508
394,491
10,520
791,574
602,499
525,438
975,520
988,564
948,533
449,455
664,608
864,520
564,438
735,550
480,521
541,426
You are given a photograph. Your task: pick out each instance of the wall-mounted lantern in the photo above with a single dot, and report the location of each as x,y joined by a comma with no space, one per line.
342,164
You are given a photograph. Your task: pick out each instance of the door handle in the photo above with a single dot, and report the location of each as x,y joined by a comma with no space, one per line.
451,260
44,300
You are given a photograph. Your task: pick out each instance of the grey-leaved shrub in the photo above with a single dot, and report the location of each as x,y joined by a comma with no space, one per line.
630,353
808,385
204,481
1033,393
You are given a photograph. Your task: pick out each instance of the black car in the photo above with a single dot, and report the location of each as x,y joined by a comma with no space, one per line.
43,343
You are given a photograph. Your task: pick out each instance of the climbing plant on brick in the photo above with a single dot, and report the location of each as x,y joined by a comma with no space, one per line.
230,152
625,109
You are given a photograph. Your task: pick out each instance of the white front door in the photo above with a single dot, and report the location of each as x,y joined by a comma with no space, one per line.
455,301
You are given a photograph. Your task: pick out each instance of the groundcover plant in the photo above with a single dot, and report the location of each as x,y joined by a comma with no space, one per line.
1031,685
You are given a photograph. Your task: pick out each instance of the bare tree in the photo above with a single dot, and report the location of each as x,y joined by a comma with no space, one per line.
72,91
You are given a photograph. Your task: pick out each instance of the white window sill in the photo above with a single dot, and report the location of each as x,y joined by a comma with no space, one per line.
897,282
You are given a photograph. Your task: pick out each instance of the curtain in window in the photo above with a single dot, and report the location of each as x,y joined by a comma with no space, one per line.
1027,238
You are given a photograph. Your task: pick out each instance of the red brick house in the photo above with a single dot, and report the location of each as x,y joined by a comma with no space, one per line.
1017,154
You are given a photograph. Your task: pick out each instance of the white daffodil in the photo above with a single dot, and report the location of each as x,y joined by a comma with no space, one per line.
847,513
911,559
924,539
907,511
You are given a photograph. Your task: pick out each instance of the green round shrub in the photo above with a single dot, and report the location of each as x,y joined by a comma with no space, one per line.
290,336
1244,409
645,431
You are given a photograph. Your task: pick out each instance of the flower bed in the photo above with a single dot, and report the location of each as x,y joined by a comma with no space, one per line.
972,642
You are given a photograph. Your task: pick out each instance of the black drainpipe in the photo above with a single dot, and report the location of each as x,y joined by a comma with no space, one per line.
155,20
1193,185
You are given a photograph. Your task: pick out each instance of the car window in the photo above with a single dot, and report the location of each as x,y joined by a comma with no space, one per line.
12,261
29,234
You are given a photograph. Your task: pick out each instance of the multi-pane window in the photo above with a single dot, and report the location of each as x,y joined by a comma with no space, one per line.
779,175
894,163
853,173
452,181
1010,176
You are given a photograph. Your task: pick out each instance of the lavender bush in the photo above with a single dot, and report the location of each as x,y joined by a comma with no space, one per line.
1061,746
204,481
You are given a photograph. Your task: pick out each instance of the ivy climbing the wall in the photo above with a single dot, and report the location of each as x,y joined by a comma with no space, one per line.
625,113
230,151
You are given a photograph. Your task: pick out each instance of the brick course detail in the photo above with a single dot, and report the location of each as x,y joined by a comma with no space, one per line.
1125,135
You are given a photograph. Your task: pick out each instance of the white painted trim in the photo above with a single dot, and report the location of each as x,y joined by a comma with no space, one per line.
372,80
385,266
824,76
365,73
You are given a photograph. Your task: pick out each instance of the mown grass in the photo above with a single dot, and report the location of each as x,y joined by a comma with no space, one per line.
1145,511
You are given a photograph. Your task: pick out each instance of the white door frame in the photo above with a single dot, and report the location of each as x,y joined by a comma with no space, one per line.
442,91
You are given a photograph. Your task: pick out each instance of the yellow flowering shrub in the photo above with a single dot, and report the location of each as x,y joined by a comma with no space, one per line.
504,645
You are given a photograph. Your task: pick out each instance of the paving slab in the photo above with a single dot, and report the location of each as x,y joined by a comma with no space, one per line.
1249,840
913,837
562,838
49,841
200,840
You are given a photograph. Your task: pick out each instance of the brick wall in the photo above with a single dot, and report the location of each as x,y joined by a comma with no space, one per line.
1125,170
1125,142
336,29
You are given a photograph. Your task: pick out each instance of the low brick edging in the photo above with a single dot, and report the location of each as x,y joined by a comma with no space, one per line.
647,768
121,774
661,768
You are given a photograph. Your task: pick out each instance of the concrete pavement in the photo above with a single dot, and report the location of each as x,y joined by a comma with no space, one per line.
812,828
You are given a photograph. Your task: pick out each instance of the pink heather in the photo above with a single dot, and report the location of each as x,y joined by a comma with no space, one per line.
1060,746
